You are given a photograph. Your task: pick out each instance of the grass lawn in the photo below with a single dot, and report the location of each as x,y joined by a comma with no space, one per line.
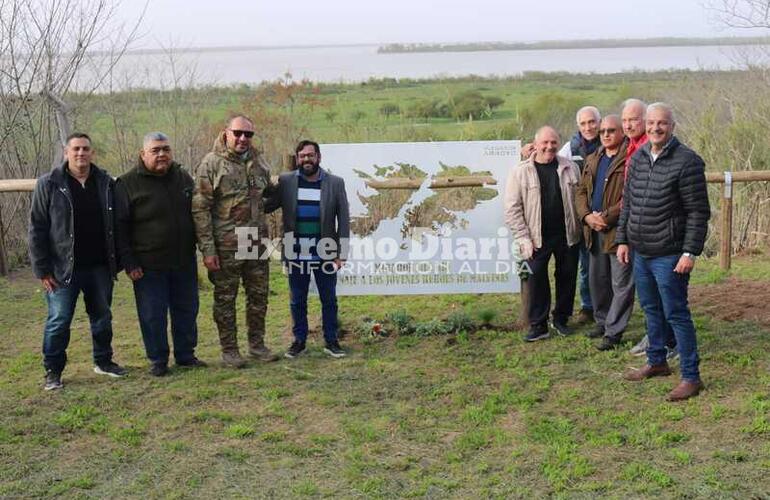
459,416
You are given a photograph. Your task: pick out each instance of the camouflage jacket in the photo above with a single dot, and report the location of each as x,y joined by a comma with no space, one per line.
229,193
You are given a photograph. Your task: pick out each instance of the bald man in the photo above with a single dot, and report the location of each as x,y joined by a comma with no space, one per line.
540,211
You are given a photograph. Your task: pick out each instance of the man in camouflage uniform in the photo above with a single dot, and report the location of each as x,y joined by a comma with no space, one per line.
229,186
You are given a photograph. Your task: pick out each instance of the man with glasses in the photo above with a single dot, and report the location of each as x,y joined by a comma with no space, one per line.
156,246
316,219
598,201
229,186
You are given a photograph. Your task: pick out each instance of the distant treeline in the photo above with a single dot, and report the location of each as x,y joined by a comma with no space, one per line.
609,43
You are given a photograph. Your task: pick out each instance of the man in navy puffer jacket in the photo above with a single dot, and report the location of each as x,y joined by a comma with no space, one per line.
664,221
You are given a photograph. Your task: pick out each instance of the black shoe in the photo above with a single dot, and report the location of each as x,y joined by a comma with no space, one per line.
110,368
295,349
596,332
52,381
334,350
537,333
608,344
191,363
159,369
561,328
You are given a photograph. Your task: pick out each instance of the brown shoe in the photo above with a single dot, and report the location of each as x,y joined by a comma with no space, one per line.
685,390
233,359
584,317
647,371
263,354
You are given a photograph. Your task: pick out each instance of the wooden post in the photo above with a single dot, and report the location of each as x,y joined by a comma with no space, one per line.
726,244
3,257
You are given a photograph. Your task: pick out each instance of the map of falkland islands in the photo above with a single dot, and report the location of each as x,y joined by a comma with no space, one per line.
425,218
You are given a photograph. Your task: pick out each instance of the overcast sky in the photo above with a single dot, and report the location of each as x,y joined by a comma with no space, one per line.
209,23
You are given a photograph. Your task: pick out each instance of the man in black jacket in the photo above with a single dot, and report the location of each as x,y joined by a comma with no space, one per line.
156,245
72,250
664,220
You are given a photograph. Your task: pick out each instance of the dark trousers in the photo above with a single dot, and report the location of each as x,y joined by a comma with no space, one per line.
96,285
160,294
566,258
326,281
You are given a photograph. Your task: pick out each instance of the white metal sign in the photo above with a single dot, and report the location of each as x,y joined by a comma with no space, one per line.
426,218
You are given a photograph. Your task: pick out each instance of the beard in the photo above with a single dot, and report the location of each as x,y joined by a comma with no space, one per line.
310,169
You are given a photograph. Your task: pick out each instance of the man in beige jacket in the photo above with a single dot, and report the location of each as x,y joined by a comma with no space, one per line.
540,211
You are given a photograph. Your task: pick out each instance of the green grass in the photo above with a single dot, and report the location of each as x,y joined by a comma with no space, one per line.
404,417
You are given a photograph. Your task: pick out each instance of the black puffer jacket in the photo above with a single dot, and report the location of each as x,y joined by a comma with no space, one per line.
665,203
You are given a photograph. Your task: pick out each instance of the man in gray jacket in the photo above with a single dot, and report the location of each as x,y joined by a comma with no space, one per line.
316,227
72,250
540,211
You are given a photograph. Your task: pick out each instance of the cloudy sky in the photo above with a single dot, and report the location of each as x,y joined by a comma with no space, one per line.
207,23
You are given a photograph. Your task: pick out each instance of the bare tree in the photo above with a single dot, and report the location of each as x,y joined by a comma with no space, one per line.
45,53
747,14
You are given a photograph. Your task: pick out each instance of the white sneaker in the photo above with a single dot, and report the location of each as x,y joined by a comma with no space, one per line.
640,349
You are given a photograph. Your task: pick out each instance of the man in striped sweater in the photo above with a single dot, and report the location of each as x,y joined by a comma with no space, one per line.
316,227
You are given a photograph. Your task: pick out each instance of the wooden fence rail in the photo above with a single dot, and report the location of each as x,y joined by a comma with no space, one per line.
726,178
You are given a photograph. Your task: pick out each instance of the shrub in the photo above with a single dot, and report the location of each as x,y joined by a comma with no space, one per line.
389,109
402,323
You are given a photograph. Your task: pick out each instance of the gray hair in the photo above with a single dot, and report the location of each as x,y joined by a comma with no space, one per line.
663,107
543,129
634,102
615,118
592,109
154,136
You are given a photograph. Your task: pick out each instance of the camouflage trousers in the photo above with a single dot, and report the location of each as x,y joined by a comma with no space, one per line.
255,275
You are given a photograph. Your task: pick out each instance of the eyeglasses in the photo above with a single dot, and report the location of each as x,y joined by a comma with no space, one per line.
603,131
238,133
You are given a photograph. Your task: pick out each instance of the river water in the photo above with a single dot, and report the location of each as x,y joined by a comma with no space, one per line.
360,63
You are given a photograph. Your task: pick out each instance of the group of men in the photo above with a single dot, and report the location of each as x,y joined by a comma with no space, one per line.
631,196
623,197
86,226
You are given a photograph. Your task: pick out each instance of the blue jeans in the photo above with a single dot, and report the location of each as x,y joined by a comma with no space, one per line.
663,297
160,294
326,282
96,285
585,290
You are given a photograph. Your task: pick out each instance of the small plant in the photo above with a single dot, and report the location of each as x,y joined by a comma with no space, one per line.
459,321
487,316
369,328
239,431
431,328
403,323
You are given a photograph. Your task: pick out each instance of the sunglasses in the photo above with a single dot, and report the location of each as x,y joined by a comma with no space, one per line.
238,133
603,131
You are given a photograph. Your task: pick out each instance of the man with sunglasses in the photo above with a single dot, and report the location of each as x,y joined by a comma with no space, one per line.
156,246
229,186
598,202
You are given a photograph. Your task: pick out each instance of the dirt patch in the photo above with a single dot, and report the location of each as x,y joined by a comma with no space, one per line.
734,299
